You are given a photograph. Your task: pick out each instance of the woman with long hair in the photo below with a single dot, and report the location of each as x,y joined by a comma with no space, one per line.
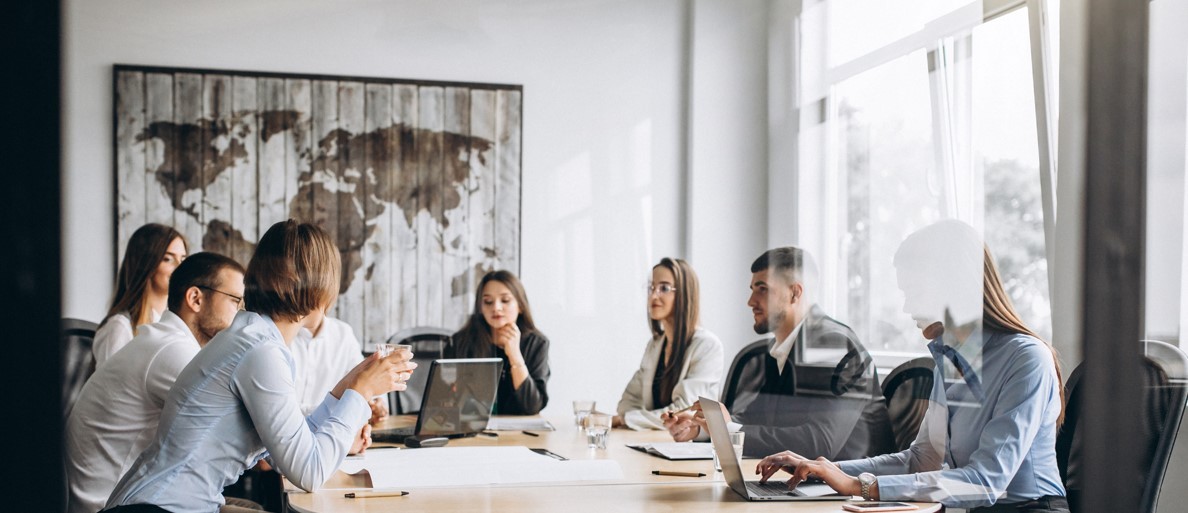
501,326
141,288
988,440
235,403
682,360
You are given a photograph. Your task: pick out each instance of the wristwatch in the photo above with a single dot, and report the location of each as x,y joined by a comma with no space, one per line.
866,479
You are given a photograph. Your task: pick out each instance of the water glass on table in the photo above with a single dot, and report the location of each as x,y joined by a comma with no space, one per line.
598,427
736,439
581,408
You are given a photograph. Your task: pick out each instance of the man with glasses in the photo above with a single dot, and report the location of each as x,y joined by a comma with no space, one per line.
116,414
812,388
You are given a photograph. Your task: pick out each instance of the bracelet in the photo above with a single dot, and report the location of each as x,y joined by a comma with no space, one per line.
521,364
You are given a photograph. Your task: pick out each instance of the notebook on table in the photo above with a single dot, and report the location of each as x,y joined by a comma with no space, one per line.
459,397
754,490
677,451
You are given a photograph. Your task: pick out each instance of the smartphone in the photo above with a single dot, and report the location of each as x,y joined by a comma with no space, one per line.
862,507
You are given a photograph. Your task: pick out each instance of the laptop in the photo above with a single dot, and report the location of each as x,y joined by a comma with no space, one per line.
753,490
459,397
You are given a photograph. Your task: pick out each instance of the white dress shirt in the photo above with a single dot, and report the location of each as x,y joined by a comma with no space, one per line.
781,349
113,335
116,414
230,406
322,360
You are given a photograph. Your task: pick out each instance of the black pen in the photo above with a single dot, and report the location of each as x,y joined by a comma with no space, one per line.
364,495
676,474
491,434
529,433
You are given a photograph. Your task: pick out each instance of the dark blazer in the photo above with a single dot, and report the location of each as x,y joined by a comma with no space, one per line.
832,408
533,394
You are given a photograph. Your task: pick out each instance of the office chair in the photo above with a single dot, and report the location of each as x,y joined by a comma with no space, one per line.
755,349
77,361
906,392
1164,395
428,344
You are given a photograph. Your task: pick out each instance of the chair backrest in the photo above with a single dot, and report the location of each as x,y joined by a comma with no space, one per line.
906,391
77,361
730,389
428,344
1164,395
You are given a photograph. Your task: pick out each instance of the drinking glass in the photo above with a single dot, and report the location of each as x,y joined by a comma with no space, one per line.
598,427
386,349
581,408
736,439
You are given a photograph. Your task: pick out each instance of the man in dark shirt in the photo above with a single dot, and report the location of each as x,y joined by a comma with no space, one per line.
812,388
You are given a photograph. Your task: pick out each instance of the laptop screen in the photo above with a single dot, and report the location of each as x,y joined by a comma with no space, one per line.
459,396
720,437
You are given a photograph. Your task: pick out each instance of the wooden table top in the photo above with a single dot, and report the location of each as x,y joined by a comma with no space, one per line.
639,490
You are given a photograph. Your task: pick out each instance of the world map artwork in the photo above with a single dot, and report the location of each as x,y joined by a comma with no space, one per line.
418,183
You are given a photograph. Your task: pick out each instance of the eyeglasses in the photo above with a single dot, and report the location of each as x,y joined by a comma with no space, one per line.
237,299
664,289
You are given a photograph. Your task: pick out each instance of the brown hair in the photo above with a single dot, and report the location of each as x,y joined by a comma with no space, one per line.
686,312
198,270
294,271
998,313
146,248
474,339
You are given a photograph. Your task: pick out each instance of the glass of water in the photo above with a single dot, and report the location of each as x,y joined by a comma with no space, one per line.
598,427
386,349
736,439
581,408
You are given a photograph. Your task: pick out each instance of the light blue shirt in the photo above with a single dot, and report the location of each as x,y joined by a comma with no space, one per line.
234,402
978,449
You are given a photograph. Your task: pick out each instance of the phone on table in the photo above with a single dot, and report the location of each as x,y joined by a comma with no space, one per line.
863,507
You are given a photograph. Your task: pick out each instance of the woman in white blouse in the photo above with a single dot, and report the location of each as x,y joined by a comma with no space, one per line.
682,360
142,287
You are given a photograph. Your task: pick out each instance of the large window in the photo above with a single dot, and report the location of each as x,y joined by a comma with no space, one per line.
912,117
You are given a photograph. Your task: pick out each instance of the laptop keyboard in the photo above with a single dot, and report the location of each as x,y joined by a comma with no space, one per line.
769,489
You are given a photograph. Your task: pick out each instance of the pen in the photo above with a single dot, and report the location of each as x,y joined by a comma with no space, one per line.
529,433
677,474
680,411
364,495
491,434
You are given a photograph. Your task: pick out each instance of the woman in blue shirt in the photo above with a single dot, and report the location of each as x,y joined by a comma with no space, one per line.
235,403
988,440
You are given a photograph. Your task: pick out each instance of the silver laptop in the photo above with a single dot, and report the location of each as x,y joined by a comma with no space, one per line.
753,490
459,396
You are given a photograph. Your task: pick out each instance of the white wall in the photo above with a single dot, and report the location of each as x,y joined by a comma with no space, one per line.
728,177
602,138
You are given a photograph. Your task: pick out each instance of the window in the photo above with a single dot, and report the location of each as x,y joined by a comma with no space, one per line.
907,119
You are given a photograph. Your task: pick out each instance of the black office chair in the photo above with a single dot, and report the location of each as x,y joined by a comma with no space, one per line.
755,349
428,344
1164,396
906,392
77,361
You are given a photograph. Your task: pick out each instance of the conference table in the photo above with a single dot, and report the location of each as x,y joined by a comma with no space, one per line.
638,490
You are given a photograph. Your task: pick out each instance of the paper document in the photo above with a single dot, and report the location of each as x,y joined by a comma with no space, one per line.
519,424
471,466
677,450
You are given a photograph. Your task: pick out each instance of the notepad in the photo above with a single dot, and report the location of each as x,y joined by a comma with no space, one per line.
519,424
677,450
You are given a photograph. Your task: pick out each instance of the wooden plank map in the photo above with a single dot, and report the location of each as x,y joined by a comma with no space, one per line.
418,182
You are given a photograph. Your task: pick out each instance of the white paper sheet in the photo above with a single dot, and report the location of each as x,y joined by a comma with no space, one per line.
518,424
475,466
677,450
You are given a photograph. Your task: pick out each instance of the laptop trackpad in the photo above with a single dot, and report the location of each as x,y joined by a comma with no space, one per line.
814,490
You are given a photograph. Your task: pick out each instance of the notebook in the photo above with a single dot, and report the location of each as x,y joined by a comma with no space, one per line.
754,490
459,397
677,450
